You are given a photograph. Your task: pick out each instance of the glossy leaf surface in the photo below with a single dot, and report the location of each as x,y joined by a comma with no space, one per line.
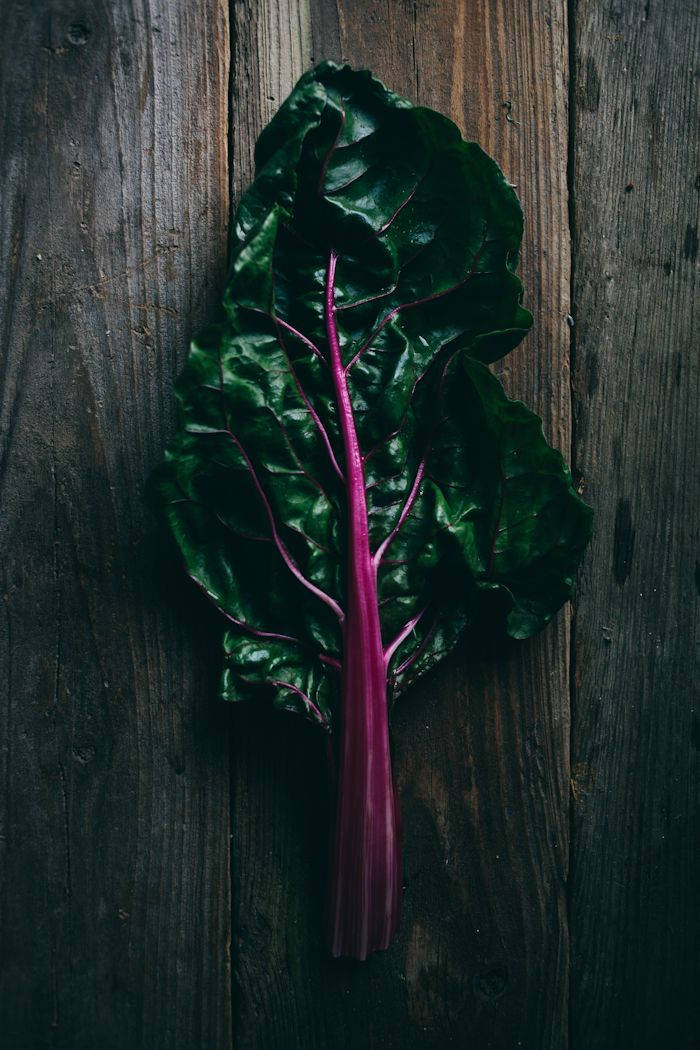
469,509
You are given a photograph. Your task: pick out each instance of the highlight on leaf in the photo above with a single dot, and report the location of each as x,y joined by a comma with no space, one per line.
350,486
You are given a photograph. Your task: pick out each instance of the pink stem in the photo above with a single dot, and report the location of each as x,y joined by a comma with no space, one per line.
365,896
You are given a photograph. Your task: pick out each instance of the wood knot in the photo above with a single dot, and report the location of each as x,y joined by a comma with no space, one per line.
78,34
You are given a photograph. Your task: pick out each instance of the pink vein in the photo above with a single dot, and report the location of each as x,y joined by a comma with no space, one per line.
401,637
418,302
394,433
222,521
286,556
395,214
241,623
410,500
325,658
309,703
415,488
290,328
419,652
407,262
302,471
302,338
407,200
294,689
312,411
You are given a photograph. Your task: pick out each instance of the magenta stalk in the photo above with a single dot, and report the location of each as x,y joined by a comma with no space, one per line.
365,896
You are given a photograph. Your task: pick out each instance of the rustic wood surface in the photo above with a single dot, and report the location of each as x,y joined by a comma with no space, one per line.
158,892
114,894
637,382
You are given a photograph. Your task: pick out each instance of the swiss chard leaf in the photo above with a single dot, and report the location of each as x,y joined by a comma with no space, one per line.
464,496
350,485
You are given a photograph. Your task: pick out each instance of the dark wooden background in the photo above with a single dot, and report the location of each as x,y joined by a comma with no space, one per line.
162,855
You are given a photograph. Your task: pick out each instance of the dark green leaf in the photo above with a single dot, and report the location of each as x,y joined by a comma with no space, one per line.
471,508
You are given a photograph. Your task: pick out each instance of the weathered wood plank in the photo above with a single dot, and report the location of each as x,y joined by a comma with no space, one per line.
114,897
481,751
635,733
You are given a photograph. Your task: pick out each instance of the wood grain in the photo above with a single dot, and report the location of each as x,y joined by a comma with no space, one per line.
481,750
636,378
114,892
115,905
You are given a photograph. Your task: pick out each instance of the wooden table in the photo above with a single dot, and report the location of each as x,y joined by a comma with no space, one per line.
163,855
